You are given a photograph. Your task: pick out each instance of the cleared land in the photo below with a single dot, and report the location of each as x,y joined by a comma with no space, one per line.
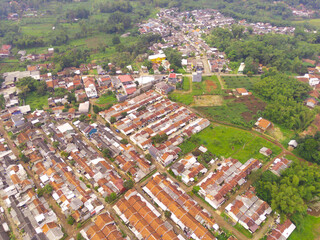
240,82
235,110
229,142
208,100
208,86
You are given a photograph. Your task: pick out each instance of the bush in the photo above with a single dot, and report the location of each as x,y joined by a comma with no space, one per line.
70,220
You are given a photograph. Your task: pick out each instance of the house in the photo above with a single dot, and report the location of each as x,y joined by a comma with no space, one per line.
248,210
163,88
81,95
265,151
311,102
157,58
188,168
293,144
242,92
143,218
17,119
262,125
185,212
104,81
241,68
279,164
52,231
231,173
282,231
172,78
84,107
197,76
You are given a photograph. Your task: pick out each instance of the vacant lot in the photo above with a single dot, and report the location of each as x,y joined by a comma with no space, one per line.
106,99
229,142
208,100
208,86
240,82
36,102
309,229
235,110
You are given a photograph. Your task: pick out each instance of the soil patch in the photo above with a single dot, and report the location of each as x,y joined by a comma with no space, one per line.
314,127
253,104
276,133
210,86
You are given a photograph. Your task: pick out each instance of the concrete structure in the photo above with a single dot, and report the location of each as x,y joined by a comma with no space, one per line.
197,76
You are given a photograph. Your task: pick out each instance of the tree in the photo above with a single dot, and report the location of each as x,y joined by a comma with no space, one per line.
124,114
24,158
174,57
128,184
106,153
55,144
70,220
96,109
2,102
167,214
112,120
115,40
195,189
124,141
111,197
148,156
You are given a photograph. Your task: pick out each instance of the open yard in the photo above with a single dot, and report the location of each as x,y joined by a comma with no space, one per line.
106,99
238,111
208,86
309,229
36,102
240,82
229,142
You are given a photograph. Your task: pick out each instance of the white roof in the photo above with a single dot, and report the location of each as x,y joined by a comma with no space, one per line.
156,56
44,178
293,143
65,127
24,109
84,107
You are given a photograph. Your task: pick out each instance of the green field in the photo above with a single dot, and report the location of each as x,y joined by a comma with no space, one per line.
229,142
186,84
209,85
229,112
105,99
309,230
36,102
314,22
240,82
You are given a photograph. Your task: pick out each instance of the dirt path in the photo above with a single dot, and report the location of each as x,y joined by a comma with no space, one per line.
220,81
261,232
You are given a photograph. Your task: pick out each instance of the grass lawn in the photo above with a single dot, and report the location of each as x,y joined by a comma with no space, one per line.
36,102
310,229
240,81
229,142
105,99
243,230
186,84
